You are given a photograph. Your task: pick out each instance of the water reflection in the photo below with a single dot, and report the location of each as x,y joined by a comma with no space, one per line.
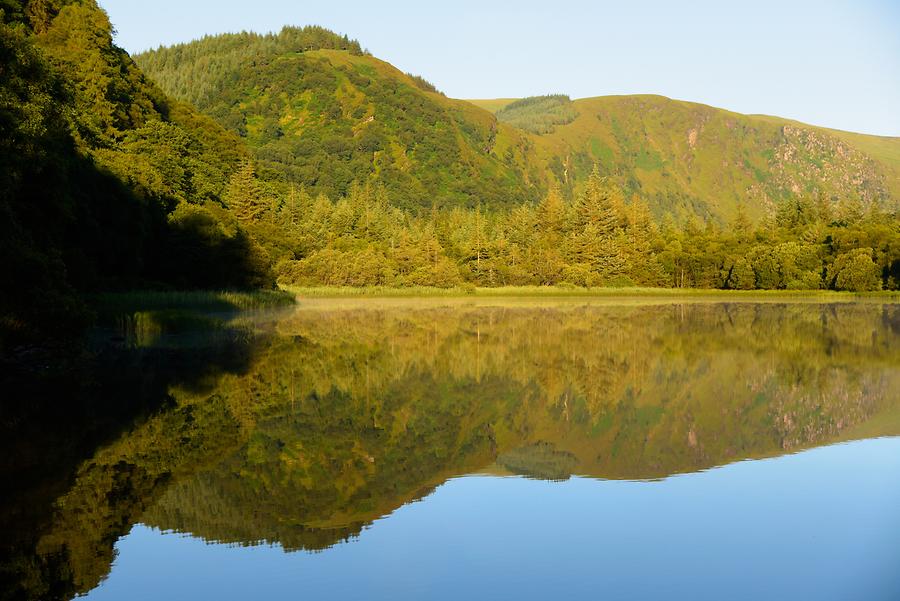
339,413
71,486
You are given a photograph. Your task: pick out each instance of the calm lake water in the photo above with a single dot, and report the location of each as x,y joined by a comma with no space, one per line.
480,449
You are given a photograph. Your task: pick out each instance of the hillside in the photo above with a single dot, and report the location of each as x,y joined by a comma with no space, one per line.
316,111
238,159
690,159
103,178
319,115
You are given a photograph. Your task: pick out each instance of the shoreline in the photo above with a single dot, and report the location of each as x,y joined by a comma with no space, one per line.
326,292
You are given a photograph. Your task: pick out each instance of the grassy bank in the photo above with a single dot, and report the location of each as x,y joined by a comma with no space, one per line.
197,300
560,291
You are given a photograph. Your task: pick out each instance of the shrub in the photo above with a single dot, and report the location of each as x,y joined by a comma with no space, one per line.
855,271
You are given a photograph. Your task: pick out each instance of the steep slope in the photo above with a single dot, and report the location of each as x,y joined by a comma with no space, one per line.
317,111
101,174
692,159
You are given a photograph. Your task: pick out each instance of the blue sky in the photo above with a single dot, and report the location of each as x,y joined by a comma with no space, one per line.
825,62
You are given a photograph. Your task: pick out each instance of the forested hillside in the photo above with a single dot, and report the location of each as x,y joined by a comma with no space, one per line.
539,114
104,181
318,112
341,141
312,162
601,238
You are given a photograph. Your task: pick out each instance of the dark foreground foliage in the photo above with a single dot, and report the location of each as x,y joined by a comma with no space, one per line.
104,182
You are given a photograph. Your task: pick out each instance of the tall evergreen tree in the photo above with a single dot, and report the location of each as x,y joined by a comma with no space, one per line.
551,213
599,205
243,195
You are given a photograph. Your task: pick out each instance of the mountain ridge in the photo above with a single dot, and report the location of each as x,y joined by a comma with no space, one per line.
686,159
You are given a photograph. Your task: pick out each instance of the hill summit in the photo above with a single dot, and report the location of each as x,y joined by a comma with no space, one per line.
318,111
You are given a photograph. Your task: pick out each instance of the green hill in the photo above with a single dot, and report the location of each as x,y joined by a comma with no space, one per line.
493,104
538,114
688,159
317,111
319,114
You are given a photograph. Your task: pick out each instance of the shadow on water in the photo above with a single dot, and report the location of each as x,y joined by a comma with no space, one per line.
302,429
61,408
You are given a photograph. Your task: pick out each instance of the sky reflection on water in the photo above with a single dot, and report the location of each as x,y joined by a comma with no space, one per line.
821,524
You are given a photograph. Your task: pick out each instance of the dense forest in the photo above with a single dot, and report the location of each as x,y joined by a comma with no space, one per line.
539,114
600,239
316,111
105,183
309,162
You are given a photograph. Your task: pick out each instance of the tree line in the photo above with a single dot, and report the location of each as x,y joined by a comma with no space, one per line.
600,238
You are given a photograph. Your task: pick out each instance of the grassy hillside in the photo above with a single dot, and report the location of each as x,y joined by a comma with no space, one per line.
690,159
322,114
492,104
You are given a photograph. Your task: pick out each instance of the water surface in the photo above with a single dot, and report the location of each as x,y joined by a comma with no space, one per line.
408,449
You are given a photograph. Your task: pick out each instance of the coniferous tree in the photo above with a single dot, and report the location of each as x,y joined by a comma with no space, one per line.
551,213
599,205
243,195
741,227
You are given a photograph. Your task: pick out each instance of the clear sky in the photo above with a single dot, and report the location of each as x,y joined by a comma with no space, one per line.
825,62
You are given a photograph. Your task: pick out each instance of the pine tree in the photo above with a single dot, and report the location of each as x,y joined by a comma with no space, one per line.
824,212
851,211
640,233
599,205
551,213
740,225
597,241
639,226
243,195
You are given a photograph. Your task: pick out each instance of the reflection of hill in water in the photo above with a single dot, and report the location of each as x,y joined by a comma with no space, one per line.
347,414
358,411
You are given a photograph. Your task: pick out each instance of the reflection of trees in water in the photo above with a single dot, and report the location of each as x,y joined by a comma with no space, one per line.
358,411
347,414
54,420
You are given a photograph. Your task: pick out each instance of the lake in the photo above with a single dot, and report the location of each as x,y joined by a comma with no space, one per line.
464,448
